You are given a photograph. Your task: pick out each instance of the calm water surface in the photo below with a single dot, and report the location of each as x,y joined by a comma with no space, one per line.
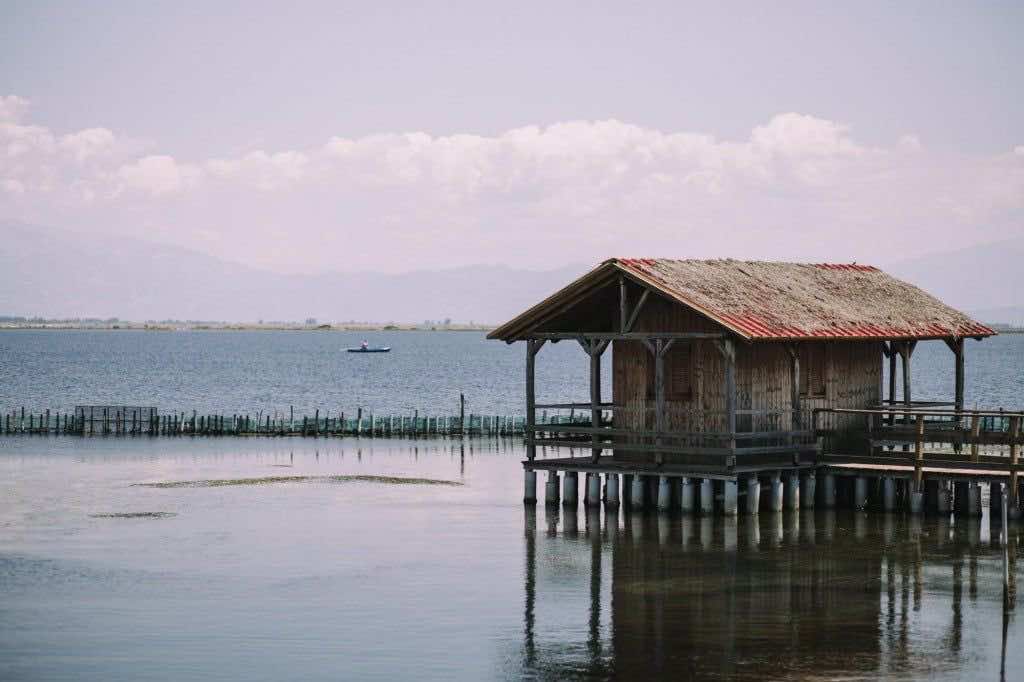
340,579
377,580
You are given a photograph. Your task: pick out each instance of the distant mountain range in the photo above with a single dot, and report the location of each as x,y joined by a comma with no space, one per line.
59,273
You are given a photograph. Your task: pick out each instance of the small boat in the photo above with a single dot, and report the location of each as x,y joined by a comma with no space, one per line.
365,347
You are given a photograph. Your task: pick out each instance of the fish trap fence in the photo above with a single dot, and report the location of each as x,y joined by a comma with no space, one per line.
121,420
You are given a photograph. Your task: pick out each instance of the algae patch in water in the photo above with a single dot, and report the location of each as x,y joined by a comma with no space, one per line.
267,480
134,515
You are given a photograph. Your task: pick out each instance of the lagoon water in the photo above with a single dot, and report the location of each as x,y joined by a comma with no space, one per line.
245,371
313,577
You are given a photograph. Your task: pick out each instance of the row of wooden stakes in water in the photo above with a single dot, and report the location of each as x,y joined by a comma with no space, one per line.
148,422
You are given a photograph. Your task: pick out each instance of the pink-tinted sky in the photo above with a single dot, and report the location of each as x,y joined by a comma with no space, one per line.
382,136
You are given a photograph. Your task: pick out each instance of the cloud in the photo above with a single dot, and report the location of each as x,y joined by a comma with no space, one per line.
796,186
157,175
88,143
12,108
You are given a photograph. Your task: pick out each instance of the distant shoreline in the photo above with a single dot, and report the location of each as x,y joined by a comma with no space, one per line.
241,327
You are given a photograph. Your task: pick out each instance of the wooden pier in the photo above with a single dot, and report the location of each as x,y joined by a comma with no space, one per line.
731,378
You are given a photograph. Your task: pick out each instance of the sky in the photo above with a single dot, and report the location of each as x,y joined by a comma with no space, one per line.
337,136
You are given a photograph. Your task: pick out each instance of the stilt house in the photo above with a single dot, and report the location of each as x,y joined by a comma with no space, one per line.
720,364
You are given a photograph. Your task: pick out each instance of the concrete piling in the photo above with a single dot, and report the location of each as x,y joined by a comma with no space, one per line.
889,493
916,498
611,490
530,487
636,496
753,494
860,492
943,503
995,502
828,491
974,500
707,496
551,488
808,490
961,504
664,493
791,495
593,490
775,492
730,498
570,489
688,495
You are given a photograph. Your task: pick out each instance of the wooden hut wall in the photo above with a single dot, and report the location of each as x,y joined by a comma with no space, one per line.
852,377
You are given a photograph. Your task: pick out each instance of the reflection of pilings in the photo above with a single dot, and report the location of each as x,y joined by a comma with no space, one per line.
828,526
687,528
807,526
551,516
530,582
570,522
730,534
958,597
707,533
594,530
753,529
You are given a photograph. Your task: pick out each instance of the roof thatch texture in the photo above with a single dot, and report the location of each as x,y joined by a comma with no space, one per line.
771,300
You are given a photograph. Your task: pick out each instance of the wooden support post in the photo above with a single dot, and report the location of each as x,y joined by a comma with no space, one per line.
532,347
794,395
975,432
919,455
1014,460
906,351
595,399
959,394
728,350
623,305
892,381
659,395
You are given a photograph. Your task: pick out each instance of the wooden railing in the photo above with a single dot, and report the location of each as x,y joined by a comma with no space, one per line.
969,440
726,447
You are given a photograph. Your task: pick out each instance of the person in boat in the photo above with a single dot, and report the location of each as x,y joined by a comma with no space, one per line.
364,345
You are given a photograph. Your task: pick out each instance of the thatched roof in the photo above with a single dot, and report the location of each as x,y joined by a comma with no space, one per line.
775,301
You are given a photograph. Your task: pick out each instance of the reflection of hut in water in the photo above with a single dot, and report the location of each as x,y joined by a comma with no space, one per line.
782,596
706,608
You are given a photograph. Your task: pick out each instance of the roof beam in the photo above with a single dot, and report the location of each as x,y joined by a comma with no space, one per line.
618,336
